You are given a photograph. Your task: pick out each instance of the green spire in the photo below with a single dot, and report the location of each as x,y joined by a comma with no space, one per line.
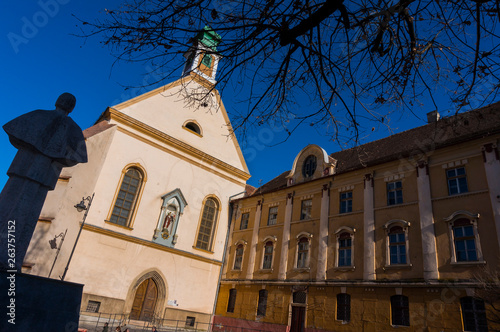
209,38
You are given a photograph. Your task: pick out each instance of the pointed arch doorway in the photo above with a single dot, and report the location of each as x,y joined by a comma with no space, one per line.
145,299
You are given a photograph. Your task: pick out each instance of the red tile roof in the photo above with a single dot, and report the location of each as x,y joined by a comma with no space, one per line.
415,143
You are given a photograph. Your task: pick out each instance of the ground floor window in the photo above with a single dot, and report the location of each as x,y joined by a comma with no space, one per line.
400,310
343,307
473,314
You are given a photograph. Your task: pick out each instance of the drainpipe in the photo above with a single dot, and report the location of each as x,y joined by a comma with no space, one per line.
230,210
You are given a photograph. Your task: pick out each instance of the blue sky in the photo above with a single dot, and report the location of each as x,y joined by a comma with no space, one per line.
40,59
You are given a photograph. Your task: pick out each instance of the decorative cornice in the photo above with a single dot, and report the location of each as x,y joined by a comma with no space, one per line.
122,118
461,213
149,244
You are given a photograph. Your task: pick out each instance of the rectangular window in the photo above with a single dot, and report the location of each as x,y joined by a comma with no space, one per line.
273,215
473,314
190,321
93,306
238,257
397,246
400,310
232,300
345,243
457,181
268,256
306,208
465,243
343,307
262,306
244,220
346,202
302,253
394,193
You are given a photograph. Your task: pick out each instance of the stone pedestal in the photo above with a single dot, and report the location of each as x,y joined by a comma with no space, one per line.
38,304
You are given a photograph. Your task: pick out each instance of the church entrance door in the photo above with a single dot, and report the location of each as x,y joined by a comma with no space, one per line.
144,301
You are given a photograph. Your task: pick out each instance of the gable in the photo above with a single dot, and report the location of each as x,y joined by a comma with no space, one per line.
173,108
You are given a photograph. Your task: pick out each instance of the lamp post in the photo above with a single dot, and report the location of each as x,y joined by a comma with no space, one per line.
53,245
79,207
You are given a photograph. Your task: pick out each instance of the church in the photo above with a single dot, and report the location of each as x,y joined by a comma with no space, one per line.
143,224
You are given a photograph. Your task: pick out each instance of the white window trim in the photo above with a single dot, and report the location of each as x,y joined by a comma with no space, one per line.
269,216
388,225
308,236
473,218
344,229
273,239
244,243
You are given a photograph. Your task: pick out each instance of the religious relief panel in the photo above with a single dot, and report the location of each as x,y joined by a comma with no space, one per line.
172,208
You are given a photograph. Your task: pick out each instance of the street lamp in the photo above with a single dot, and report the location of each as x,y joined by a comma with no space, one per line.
79,207
53,245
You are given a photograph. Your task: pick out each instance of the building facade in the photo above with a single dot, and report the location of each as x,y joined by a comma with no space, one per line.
390,234
162,167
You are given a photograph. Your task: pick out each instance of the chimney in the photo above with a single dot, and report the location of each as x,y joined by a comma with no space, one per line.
433,116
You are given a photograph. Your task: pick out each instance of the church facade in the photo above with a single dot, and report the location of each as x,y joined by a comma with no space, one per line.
162,169
398,233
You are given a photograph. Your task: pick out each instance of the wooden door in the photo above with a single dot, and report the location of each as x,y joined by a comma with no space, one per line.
298,319
144,301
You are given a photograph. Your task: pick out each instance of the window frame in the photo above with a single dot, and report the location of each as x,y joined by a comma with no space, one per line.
472,219
345,203
303,238
394,190
265,242
343,302
247,219
237,245
400,306
475,312
338,233
262,303
404,225
309,166
456,178
196,125
306,211
274,221
215,222
231,302
137,198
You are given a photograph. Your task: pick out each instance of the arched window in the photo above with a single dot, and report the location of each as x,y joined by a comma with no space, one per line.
126,200
397,243
303,247
268,252
464,237
207,224
238,257
345,248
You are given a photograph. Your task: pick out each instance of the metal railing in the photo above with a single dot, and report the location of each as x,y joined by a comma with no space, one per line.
95,323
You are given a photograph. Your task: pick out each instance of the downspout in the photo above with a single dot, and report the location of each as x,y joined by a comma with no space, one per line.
230,210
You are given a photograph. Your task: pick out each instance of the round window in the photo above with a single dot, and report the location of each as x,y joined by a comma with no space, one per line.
309,166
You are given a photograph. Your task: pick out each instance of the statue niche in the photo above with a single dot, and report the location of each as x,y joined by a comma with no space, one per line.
173,204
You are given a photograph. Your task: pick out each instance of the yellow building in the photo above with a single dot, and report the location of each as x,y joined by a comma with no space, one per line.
390,234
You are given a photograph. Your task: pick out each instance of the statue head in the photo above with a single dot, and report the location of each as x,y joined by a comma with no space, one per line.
66,102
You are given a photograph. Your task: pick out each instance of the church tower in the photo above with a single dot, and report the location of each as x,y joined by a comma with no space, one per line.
203,57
